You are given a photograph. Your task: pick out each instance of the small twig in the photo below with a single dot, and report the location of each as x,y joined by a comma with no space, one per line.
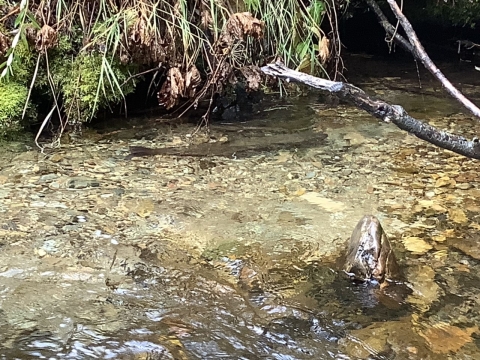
45,122
397,25
31,87
15,10
52,87
389,28
205,116
140,74
152,84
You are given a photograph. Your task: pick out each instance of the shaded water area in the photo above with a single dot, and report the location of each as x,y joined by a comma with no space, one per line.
234,254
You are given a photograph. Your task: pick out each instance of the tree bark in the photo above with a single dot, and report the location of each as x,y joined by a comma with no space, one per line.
381,110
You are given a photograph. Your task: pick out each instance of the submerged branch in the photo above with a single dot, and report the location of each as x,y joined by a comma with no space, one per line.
382,110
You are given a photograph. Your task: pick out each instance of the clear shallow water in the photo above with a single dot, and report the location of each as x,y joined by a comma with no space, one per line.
231,259
192,311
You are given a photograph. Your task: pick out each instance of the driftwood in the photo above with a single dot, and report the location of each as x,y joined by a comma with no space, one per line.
381,110
414,46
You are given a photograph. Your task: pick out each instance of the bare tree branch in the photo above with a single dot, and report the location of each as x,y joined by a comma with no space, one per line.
389,28
419,52
382,110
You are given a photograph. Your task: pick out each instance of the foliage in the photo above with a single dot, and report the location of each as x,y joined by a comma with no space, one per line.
293,30
24,22
455,12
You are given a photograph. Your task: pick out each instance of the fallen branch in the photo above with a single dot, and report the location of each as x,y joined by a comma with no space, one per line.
417,50
382,110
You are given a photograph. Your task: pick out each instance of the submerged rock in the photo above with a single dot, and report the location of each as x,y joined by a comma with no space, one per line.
370,255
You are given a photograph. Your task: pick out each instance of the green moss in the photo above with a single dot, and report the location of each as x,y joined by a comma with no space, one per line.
12,100
88,83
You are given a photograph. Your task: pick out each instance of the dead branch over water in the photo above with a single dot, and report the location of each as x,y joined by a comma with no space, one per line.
415,47
381,110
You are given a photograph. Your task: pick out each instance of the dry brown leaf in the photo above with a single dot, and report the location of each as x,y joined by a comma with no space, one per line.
382,336
300,192
439,238
141,207
239,26
421,225
438,208
46,38
417,209
172,89
192,81
468,245
449,232
473,225
450,198
11,234
206,19
443,338
425,289
354,138
462,268
426,203
282,157
177,81
324,49
140,34
440,255
247,24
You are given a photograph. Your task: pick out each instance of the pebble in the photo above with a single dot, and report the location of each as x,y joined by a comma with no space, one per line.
310,175
81,183
41,252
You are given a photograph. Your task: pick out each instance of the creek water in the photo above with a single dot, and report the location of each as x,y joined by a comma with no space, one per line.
232,254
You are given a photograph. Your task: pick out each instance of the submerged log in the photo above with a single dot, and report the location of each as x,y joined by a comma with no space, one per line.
381,110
